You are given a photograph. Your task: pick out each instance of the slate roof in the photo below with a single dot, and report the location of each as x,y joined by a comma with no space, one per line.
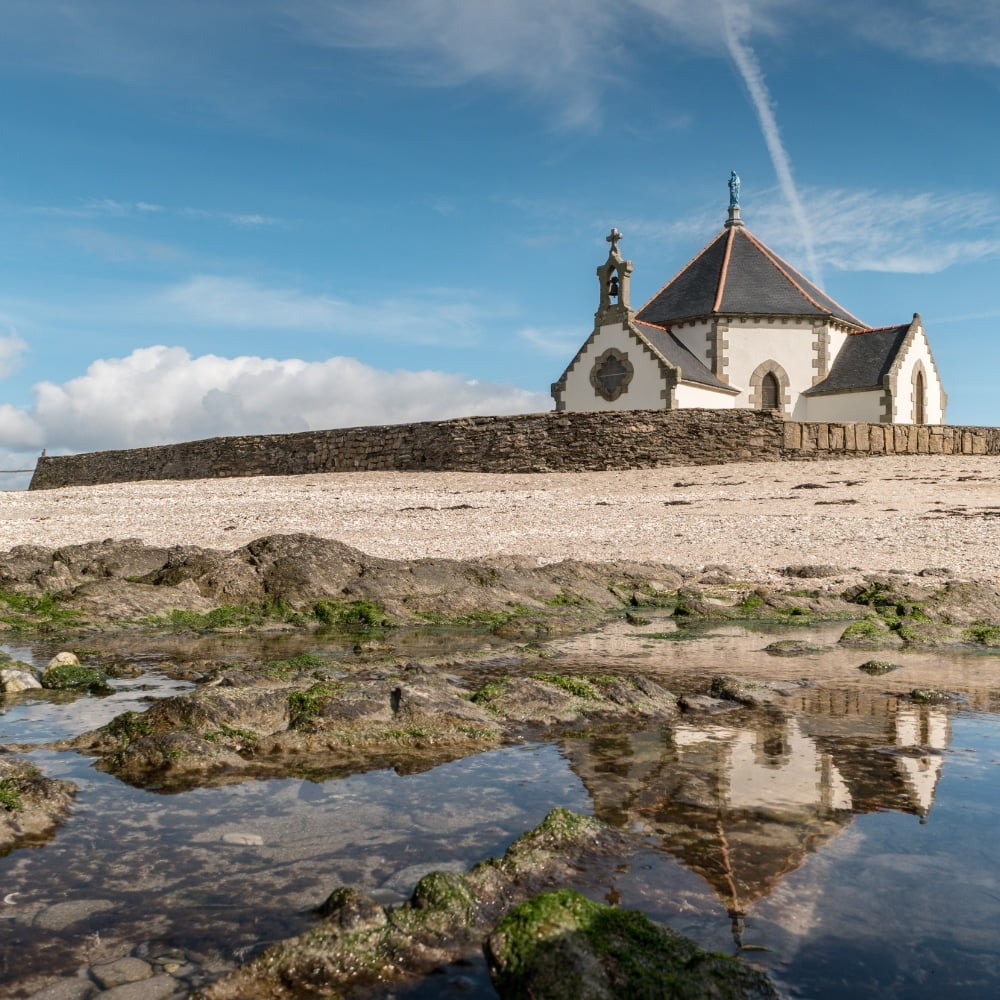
863,361
692,370
736,274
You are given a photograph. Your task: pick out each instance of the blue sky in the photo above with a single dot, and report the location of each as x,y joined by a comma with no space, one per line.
228,216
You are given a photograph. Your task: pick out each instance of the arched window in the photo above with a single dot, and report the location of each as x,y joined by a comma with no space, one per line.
770,392
919,399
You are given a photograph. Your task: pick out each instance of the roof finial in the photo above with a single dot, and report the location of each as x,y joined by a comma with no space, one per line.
613,237
734,200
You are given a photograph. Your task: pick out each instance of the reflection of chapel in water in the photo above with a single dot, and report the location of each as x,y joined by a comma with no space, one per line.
743,799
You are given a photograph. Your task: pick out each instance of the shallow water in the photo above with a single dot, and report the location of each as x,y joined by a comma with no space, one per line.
843,841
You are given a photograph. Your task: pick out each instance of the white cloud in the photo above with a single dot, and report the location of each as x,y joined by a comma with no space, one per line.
161,394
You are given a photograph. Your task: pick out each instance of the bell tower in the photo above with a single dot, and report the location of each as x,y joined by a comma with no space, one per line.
614,276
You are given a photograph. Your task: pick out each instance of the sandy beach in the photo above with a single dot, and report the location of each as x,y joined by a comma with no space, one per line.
874,514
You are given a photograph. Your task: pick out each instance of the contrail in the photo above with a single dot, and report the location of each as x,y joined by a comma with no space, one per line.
736,22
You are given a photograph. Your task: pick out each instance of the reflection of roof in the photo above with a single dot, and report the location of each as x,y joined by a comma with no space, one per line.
692,370
736,274
863,361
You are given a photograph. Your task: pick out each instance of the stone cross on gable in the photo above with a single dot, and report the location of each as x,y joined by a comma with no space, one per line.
613,237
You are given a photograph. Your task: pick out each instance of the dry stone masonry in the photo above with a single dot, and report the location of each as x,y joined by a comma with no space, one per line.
534,442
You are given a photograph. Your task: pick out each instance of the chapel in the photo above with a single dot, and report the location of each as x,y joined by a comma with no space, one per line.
739,327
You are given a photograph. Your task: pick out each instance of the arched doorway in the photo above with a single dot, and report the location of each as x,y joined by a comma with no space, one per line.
770,392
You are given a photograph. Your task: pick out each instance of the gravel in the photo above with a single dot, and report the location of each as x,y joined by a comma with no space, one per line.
876,514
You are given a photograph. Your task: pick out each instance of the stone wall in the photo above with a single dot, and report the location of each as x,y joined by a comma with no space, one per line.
535,442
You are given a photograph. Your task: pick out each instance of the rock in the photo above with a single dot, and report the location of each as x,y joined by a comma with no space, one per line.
562,946
869,632
794,647
64,673
16,681
932,696
72,988
811,571
59,916
878,667
750,693
121,971
698,703
157,988
64,659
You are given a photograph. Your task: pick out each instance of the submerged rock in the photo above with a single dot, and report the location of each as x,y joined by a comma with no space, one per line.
31,805
358,943
562,946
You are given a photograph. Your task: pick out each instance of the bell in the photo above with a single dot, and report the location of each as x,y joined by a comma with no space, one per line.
613,286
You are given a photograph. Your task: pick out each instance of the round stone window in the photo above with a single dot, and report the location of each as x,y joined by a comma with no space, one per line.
611,374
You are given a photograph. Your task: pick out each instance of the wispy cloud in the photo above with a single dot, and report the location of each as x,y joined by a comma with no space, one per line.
434,316
118,248
954,31
12,351
161,394
562,51
920,233
736,21
557,341
105,208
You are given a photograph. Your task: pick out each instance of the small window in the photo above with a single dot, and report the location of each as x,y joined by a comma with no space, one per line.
919,400
770,392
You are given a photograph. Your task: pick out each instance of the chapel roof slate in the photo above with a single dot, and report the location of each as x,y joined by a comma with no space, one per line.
737,274
863,361
692,370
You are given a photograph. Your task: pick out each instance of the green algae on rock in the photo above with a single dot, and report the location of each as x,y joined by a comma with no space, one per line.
561,946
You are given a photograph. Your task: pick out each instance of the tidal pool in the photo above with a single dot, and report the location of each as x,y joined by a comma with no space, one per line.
843,839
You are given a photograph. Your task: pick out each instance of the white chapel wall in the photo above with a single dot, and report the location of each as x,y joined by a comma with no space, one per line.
696,338
644,390
919,352
691,396
791,346
844,407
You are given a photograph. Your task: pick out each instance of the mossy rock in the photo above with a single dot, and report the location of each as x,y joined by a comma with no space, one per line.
869,632
914,632
931,696
74,677
983,635
794,647
562,946
878,667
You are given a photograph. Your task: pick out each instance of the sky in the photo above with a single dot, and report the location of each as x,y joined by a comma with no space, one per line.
252,216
